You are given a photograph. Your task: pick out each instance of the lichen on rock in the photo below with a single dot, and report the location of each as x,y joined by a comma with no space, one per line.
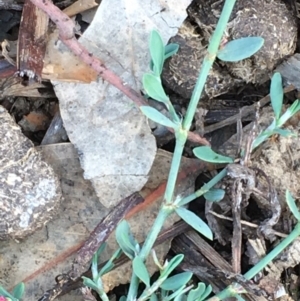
29,189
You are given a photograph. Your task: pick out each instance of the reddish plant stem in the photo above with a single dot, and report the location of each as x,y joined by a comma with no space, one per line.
67,36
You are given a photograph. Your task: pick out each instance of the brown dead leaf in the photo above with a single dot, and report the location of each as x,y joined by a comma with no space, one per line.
64,65
35,121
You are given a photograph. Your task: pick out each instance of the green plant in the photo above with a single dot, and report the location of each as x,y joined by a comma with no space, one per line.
96,282
176,287
15,295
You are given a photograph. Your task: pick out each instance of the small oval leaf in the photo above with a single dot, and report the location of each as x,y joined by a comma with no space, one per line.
157,51
170,50
240,49
175,282
140,270
205,153
196,293
284,132
291,111
90,283
125,239
18,290
195,221
173,263
206,293
5,293
154,89
214,195
158,117
292,205
276,94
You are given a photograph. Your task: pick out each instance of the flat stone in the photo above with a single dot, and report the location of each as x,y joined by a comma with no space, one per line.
30,191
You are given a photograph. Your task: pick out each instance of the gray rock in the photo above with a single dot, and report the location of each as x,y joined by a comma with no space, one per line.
30,191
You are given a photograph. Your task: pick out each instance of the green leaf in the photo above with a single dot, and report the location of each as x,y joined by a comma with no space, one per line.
173,263
158,117
196,222
295,107
155,260
123,298
170,50
291,111
157,51
292,205
153,87
214,195
180,297
90,283
284,132
276,94
140,270
240,49
153,297
125,239
18,290
175,282
94,267
206,293
5,293
196,293
177,295
205,153
109,265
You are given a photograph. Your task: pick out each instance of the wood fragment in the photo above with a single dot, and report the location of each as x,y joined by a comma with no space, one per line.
102,232
12,86
208,265
32,41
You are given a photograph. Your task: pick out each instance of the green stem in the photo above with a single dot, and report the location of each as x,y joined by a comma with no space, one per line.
163,213
263,263
212,51
205,188
147,246
180,142
103,295
181,137
276,251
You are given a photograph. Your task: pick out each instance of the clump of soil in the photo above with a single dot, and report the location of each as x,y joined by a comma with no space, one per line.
279,158
268,19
